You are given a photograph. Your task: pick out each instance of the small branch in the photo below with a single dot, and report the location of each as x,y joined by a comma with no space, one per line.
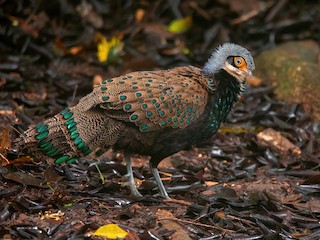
198,224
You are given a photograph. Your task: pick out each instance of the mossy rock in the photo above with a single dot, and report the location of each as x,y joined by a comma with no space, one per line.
293,69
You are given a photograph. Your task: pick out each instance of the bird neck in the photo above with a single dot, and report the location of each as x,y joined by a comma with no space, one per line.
228,91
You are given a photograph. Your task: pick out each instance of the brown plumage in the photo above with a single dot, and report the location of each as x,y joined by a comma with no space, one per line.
155,113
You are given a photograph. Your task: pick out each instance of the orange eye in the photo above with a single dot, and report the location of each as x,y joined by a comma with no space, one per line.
239,62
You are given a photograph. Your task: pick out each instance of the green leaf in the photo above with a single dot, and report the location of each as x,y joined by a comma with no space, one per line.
180,25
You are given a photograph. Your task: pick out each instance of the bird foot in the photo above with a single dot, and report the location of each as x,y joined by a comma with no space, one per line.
136,193
131,183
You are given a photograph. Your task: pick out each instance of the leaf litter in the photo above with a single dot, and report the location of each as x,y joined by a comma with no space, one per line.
258,178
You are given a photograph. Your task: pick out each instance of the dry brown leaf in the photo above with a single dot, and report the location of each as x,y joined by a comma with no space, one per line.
86,11
210,183
139,15
75,50
3,81
24,179
313,205
132,236
178,48
166,219
221,215
157,29
242,6
181,202
274,140
208,193
4,139
15,162
24,26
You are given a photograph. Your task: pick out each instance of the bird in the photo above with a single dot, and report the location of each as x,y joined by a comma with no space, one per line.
149,113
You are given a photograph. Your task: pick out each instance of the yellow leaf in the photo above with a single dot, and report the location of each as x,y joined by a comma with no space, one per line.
111,231
56,216
186,51
180,25
108,49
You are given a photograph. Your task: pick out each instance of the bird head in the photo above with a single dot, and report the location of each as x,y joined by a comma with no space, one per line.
232,58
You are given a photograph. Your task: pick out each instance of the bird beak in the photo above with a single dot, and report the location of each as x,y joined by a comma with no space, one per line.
249,73
240,74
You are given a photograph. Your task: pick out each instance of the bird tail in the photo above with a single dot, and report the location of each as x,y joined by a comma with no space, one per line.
70,134
51,139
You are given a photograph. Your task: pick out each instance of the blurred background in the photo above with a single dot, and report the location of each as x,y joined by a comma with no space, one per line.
67,44
257,178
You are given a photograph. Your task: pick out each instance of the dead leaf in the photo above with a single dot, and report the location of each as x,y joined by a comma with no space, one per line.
208,193
210,183
221,215
17,161
87,12
139,15
75,50
166,219
181,202
51,175
24,179
132,236
178,48
313,205
157,30
24,26
4,138
3,81
242,6
274,140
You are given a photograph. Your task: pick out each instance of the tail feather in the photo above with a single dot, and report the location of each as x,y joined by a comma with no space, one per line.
70,134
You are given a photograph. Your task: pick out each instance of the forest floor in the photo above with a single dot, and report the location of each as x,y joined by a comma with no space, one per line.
257,178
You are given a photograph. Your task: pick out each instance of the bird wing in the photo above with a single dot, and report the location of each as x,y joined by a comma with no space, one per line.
154,99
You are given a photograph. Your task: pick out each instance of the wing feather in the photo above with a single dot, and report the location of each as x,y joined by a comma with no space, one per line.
153,100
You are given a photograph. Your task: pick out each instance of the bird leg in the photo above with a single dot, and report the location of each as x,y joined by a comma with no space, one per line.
132,185
155,173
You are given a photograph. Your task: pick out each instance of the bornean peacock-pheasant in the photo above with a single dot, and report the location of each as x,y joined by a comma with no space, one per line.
155,113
